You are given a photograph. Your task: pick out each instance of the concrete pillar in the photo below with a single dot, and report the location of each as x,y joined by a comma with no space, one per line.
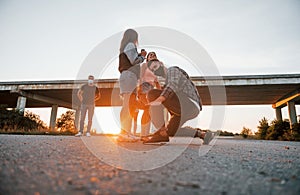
278,114
53,117
77,119
292,112
21,104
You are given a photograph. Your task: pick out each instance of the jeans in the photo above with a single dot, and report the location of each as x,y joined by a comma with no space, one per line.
179,106
84,108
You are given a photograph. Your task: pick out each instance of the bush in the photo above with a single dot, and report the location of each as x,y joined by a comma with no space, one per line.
262,128
13,121
295,132
246,132
279,130
66,122
225,133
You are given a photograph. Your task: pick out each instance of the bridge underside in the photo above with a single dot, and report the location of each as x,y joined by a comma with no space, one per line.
276,90
235,95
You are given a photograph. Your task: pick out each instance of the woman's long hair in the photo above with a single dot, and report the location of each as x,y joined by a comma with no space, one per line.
130,35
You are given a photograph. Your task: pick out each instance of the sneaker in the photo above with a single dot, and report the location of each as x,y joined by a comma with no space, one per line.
157,138
200,134
145,138
208,137
125,137
78,134
88,134
157,132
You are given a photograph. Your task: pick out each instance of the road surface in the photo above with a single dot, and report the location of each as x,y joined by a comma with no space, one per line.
35,164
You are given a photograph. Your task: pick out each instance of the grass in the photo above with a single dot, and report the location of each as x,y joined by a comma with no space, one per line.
37,133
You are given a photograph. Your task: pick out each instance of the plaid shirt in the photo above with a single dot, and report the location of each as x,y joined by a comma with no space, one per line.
178,81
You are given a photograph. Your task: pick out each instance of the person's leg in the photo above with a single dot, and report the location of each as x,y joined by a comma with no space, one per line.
145,129
173,125
128,83
135,121
173,106
133,109
188,111
90,109
83,110
156,112
182,109
157,116
125,117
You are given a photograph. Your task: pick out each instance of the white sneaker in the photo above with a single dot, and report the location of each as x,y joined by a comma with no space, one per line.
78,134
88,134
127,138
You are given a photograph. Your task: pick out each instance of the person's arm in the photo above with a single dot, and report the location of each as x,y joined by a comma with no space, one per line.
79,95
158,101
171,87
142,71
132,54
157,85
98,94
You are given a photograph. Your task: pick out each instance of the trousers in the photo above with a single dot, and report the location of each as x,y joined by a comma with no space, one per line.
180,107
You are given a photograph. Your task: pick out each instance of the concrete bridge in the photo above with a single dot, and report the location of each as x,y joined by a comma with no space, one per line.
276,90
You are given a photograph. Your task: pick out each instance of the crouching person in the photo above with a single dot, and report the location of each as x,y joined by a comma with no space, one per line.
179,96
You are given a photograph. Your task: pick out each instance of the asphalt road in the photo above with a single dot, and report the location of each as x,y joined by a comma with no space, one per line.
69,165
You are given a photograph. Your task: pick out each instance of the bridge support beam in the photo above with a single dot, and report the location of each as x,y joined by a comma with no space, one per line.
53,117
21,104
278,114
290,101
292,112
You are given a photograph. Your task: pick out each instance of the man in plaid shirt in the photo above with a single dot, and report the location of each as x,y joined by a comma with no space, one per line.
179,96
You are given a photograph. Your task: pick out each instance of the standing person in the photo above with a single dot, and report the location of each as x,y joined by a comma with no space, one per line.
179,96
87,95
129,67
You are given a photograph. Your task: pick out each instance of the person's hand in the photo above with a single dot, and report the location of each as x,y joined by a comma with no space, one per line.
158,101
154,103
97,97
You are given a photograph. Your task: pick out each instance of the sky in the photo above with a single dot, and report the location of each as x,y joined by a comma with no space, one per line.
50,39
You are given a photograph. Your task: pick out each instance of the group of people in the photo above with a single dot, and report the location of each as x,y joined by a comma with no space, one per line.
179,94
141,90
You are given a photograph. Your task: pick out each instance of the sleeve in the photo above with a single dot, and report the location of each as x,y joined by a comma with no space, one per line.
167,92
82,87
132,54
97,91
172,83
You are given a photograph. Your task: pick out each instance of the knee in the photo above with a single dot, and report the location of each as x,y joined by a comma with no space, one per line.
153,94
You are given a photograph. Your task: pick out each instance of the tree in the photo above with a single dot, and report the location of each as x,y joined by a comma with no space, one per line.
246,132
66,122
277,129
262,128
225,133
13,121
36,119
295,132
